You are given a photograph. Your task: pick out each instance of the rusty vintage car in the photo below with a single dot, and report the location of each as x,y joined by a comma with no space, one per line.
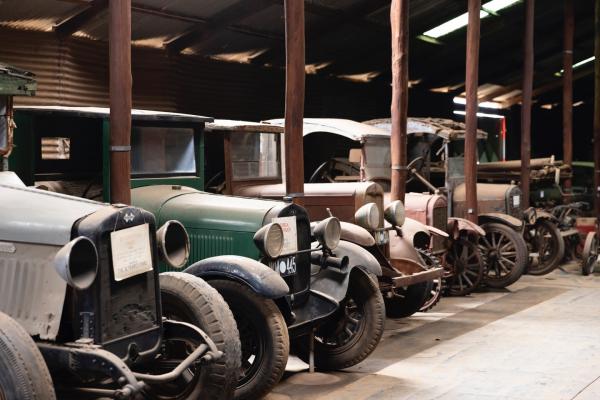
517,240
252,166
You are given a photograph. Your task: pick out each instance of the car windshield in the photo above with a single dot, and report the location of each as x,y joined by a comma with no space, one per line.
162,151
255,156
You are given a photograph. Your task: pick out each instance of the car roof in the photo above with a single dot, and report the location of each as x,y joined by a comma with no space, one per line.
229,125
353,130
445,128
104,112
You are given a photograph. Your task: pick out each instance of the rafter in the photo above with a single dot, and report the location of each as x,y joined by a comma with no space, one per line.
72,24
201,33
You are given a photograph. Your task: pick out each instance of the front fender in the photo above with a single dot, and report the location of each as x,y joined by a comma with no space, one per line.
468,226
356,234
333,283
505,219
260,278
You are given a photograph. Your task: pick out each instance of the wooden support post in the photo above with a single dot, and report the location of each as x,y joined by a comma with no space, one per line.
294,98
597,111
526,100
399,107
471,84
568,88
120,100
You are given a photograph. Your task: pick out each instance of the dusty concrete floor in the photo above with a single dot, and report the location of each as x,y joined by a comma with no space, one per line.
539,339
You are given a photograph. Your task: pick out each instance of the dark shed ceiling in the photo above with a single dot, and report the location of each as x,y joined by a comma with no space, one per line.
345,38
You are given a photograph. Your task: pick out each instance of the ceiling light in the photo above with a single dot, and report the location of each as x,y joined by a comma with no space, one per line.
461,21
481,114
579,103
576,65
483,104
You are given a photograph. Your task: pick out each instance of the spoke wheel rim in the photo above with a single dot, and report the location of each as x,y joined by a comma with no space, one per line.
501,254
466,269
348,328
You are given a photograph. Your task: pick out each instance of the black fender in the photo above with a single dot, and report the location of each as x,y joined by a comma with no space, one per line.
333,283
505,219
257,276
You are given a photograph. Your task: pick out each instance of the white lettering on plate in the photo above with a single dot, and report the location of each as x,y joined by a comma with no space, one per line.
516,201
131,254
290,235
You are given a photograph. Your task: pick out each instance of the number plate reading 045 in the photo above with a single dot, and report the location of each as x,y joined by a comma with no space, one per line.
131,254
286,266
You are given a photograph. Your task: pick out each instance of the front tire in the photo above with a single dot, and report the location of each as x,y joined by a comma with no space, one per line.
505,253
549,244
404,302
352,332
589,254
190,299
264,338
24,375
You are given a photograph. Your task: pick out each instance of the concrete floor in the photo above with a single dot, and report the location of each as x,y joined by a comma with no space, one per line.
539,339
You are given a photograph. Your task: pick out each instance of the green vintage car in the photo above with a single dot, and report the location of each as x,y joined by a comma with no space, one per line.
299,285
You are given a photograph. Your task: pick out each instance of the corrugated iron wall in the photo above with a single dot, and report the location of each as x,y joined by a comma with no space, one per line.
74,72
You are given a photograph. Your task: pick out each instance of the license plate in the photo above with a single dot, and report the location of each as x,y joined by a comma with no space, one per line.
131,254
286,266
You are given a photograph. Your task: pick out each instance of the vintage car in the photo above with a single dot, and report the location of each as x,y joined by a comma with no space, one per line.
436,149
281,280
81,310
460,258
252,165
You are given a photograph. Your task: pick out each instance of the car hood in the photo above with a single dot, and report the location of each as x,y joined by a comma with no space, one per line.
37,216
202,210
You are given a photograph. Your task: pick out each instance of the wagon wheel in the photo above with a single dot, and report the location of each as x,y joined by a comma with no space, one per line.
330,169
505,255
417,164
590,254
466,267
437,287
545,239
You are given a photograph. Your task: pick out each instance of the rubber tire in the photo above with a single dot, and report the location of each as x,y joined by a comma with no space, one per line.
265,313
24,375
558,239
414,298
208,311
522,256
589,258
332,359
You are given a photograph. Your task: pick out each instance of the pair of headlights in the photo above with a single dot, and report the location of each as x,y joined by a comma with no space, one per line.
270,238
368,215
77,261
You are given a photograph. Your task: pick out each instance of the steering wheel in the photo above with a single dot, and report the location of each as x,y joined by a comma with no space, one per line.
326,172
216,184
416,164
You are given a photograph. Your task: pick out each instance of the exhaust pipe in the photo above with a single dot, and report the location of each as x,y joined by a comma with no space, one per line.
173,244
77,263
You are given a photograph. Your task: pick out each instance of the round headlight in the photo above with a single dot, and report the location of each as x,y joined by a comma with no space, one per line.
269,240
173,244
367,216
530,215
328,232
394,213
77,263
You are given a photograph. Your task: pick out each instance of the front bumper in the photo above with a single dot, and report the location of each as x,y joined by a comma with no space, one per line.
83,359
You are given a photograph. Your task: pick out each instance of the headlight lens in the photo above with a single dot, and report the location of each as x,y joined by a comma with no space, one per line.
368,216
269,239
173,244
394,213
328,232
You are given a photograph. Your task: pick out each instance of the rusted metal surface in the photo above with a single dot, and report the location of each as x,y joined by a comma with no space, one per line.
567,123
413,273
471,84
294,97
429,210
399,108
120,100
526,99
597,111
